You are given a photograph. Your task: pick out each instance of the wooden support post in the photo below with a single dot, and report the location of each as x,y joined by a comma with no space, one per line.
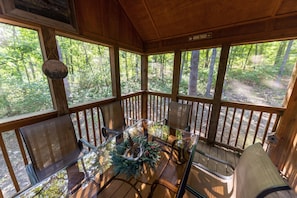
115,71
176,75
58,93
216,106
144,85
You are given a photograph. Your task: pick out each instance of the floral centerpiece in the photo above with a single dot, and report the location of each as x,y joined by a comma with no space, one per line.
129,156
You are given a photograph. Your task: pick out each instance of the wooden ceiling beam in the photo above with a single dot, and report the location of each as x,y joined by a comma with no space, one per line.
151,18
276,7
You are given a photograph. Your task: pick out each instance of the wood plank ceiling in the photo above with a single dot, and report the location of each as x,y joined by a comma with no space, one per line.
157,20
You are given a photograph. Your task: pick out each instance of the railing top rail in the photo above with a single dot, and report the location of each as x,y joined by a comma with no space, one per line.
159,94
129,95
268,109
195,99
89,105
13,123
182,97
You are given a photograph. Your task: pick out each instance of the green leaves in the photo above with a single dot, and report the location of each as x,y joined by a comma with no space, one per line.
24,88
150,156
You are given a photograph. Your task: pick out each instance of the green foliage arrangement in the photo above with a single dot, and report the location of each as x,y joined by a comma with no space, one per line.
150,156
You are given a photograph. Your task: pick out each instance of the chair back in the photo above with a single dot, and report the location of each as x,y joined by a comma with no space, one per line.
178,115
113,116
51,145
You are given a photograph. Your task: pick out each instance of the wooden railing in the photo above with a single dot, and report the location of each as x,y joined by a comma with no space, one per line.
239,126
87,121
200,113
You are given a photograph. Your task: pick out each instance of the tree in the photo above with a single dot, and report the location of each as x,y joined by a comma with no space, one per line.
192,89
183,61
247,57
206,58
24,88
210,73
280,51
286,56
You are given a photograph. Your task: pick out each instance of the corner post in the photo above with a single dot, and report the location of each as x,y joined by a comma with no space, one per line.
58,93
144,85
176,75
216,106
115,71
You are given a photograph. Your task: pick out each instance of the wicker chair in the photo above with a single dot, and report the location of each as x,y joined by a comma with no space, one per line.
52,146
113,119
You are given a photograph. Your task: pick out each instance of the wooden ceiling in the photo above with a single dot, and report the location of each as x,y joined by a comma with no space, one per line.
156,20
152,26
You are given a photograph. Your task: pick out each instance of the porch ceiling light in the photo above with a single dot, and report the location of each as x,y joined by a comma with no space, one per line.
207,35
54,69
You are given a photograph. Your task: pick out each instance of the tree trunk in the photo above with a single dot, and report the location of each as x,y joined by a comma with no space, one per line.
210,73
183,61
247,57
5,102
70,71
162,57
137,68
193,73
26,69
126,65
206,58
280,51
233,53
286,56
32,70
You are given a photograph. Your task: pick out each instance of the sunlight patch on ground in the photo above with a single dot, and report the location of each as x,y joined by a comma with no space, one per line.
241,88
246,93
273,84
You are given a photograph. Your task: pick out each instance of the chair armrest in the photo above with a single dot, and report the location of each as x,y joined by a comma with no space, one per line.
86,143
217,160
31,174
106,132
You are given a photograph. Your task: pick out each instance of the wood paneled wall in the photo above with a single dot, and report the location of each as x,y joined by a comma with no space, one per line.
106,21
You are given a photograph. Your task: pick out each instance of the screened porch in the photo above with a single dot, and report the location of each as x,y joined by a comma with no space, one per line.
114,57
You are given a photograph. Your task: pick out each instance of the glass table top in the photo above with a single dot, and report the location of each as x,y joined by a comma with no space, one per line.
99,161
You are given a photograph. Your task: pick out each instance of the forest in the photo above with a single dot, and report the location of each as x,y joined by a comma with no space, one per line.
256,73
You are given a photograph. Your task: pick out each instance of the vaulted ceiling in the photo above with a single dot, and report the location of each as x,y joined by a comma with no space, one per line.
157,20
150,26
